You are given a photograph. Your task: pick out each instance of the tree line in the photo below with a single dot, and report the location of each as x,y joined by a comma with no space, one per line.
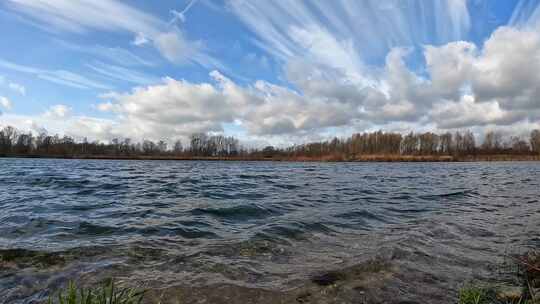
428,143
17,143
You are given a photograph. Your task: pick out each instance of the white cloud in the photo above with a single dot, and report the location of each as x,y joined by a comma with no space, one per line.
105,106
178,108
172,108
140,39
58,111
506,69
17,88
76,126
450,67
175,47
5,103
467,113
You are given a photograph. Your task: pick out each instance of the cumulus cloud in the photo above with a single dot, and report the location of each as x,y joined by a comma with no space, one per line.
181,107
58,111
467,113
78,127
450,67
175,107
59,119
5,103
105,106
506,69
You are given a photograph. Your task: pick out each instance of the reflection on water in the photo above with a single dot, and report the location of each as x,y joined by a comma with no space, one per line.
278,231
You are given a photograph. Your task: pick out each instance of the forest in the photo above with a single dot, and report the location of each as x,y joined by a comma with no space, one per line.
387,145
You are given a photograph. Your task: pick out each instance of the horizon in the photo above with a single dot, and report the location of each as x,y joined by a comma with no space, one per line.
269,73
17,143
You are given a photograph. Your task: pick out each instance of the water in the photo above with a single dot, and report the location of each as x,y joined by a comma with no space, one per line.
263,231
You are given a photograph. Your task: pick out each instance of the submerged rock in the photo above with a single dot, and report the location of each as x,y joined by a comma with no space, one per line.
509,293
10,258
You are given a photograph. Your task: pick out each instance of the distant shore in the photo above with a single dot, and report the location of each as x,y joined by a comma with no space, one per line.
329,158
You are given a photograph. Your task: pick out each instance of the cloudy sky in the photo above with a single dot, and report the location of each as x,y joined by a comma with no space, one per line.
279,71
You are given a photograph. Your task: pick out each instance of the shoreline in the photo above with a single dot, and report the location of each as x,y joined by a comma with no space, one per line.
323,159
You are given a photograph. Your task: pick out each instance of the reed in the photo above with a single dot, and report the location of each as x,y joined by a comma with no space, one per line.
109,293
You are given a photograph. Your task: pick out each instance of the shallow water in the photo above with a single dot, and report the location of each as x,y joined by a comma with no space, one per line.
263,229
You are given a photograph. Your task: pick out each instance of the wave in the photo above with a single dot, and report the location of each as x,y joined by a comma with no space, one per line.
364,214
241,212
453,194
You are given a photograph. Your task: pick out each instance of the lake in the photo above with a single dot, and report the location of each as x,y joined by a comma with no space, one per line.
263,232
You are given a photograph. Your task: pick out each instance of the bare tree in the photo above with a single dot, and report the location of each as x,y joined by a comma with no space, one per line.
519,145
492,142
535,141
446,143
178,148
469,142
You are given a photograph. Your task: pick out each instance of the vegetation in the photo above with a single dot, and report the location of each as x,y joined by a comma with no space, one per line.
107,294
474,295
529,293
365,146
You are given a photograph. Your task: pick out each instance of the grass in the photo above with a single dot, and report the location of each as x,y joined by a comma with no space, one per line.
473,295
528,273
109,293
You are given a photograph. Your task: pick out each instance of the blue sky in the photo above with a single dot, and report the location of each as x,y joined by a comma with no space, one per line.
266,71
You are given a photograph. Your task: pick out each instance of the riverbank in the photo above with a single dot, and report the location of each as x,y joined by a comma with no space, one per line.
369,282
524,286
328,158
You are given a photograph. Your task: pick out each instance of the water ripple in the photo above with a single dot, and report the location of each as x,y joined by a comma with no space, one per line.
258,224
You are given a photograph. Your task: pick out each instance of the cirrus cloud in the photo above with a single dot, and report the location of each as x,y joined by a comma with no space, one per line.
66,16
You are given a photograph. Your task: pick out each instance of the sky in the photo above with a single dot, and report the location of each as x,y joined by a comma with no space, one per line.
268,72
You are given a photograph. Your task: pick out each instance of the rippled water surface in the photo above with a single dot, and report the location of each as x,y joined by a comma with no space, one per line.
384,231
